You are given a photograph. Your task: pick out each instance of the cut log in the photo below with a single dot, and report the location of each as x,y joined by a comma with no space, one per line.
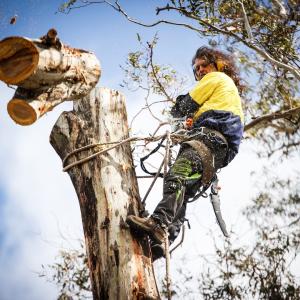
28,105
106,186
32,64
46,74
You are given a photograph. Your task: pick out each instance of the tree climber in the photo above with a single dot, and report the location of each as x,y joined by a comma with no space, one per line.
215,107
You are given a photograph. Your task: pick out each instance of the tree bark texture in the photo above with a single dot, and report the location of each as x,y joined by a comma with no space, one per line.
106,187
46,73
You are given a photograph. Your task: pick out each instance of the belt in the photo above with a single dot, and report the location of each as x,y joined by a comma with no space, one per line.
210,133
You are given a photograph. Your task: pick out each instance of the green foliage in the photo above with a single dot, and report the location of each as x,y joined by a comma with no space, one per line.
66,6
141,72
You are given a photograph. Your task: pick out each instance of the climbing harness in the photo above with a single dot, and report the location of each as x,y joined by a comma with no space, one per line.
198,141
142,159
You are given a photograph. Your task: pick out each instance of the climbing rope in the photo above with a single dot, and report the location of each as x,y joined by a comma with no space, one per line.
168,258
102,151
175,137
166,164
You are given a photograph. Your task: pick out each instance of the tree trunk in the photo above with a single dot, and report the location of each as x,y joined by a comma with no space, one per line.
106,186
46,73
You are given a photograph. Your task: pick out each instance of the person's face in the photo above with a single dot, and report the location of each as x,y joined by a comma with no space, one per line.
202,67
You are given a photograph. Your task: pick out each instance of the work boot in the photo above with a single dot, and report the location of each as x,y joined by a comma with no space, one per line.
157,251
149,225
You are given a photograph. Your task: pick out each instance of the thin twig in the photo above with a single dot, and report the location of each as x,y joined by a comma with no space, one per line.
149,109
155,74
247,25
145,107
156,130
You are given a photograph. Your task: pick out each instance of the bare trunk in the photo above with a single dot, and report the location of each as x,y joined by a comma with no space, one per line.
107,190
46,74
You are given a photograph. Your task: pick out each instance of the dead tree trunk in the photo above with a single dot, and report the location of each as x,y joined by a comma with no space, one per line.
46,73
106,187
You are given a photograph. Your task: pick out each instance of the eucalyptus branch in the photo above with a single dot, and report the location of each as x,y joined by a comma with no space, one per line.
247,25
162,88
147,106
272,116
117,7
149,109
226,25
249,44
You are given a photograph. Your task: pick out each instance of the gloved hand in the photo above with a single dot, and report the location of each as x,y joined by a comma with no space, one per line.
176,111
184,106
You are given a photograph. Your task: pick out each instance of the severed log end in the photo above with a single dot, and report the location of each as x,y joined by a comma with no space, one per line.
21,112
46,73
19,58
27,106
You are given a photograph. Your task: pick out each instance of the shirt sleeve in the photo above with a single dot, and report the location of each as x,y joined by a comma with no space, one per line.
204,88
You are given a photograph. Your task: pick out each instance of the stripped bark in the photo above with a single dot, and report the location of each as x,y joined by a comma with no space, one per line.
107,190
46,73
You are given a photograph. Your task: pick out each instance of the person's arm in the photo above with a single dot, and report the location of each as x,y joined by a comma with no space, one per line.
184,106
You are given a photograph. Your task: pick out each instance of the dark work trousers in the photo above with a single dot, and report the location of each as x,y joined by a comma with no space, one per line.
182,183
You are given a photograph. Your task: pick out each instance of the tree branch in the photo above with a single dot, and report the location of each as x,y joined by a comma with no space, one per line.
116,6
249,44
280,6
119,9
155,74
204,23
147,106
247,25
272,116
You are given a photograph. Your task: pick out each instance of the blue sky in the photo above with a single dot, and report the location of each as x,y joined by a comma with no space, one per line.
39,213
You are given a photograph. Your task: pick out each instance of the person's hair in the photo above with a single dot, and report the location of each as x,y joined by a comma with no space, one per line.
222,62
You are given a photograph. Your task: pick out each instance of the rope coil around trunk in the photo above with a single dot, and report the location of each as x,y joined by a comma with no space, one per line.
174,137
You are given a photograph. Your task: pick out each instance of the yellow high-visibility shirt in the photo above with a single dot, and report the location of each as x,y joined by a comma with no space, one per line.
217,91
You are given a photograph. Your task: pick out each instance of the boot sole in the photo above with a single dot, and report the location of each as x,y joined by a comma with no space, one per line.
141,227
